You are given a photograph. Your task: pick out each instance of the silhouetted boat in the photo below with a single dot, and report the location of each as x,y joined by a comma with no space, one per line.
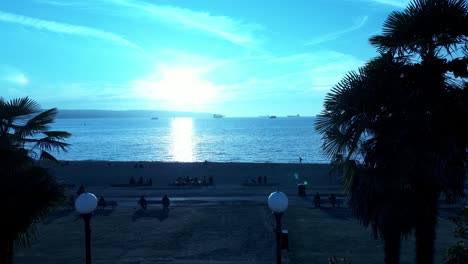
217,116
294,115
154,118
273,116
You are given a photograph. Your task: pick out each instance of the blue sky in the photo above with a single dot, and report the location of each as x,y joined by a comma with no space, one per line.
238,58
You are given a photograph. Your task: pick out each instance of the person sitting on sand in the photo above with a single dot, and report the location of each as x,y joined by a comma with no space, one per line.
165,201
317,199
142,202
140,180
332,200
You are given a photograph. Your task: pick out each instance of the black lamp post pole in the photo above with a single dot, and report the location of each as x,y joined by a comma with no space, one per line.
278,237
87,219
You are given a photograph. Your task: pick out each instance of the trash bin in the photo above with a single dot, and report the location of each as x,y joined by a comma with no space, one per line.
284,239
301,190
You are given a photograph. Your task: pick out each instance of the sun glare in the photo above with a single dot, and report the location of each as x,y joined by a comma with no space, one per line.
182,143
178,86
22,80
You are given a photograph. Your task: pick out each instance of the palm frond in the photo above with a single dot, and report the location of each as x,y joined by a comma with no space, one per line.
38,123
50,144
424,26
47,157
18,107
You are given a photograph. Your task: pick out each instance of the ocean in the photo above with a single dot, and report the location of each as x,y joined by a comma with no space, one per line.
282,139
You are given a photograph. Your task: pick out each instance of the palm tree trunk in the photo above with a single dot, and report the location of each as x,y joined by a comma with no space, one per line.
6,251
425,233
392,245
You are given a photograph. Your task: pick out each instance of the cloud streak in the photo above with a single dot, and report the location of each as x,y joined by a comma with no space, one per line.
395,3
335,35
223,27
232,30
64,28
12,75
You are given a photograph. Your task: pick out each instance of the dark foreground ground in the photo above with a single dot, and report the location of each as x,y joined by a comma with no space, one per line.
218,232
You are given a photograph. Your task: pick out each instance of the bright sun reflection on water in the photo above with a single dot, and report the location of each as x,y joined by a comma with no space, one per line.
182,144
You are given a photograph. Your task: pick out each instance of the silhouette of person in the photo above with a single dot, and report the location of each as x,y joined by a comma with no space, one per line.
140,180
131,181
317,199
259,180
300,159
142,202
80,190
332,199
264,179
101,202
150,181
165,201
210,180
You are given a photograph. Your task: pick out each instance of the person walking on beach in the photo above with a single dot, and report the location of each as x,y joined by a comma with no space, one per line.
165,201
317,199
300,159
332,199
142,202
101,202
80,190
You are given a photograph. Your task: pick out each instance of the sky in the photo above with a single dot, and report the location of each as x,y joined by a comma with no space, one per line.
237,58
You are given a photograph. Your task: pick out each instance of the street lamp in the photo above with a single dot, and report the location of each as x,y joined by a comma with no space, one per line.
85,204
278,203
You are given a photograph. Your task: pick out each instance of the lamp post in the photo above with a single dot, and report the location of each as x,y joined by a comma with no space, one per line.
278,203
85,204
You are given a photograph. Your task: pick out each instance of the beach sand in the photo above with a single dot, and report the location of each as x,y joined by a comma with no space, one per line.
226,223
105,172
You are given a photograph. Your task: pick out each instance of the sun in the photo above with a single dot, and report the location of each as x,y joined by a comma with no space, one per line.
178,86
22,80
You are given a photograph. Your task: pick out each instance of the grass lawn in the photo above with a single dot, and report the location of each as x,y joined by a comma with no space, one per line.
213,233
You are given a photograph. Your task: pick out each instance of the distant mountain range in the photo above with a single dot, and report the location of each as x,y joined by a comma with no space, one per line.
127,114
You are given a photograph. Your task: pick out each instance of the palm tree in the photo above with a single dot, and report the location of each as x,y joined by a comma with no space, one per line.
398,126
28,189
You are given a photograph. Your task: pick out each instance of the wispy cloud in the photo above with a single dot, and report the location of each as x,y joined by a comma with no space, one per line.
12,75
328,37
395,3
233,30
224,27
64,28
392,3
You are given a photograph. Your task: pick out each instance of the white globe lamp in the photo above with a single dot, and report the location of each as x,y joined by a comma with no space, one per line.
86,203
278,202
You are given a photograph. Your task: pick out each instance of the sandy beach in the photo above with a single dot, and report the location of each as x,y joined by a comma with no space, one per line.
99,173
228,178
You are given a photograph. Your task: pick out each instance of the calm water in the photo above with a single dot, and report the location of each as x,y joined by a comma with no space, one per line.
193,139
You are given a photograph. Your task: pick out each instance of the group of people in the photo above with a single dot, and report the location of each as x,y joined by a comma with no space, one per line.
140,181
331,199
194,181
164,201
259,180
